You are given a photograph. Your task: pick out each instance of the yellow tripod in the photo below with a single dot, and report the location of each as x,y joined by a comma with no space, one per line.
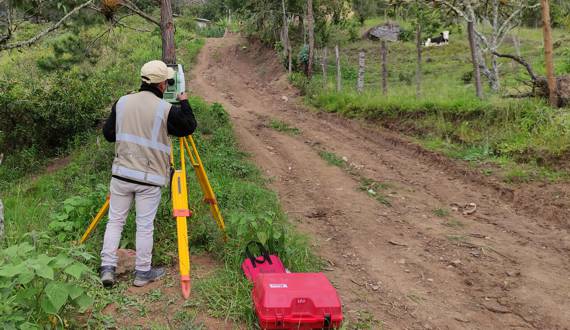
180,209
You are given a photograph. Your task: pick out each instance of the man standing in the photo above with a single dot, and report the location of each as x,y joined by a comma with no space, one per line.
139,125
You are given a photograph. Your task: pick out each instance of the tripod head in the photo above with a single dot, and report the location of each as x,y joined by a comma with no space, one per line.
176,85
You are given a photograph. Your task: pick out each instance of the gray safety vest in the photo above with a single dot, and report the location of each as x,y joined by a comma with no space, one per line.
142,148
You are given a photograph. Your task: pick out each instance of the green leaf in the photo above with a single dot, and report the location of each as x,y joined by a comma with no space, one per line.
47,306
262,237
28,326
76,270
84,302
10,270
74,291
18,250
25,278
61,261
45,271
57,294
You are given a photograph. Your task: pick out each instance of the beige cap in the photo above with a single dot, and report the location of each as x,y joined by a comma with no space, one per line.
155,72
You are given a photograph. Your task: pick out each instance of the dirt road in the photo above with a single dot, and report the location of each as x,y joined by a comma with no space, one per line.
401,253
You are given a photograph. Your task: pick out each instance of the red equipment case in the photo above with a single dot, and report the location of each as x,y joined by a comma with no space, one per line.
296,301
253,265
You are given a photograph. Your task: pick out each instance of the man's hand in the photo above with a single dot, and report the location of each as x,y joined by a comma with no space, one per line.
182,97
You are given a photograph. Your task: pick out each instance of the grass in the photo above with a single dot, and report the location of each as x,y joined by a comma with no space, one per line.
515,135
371,187
283,127
440,212
33,203
332,159
454,223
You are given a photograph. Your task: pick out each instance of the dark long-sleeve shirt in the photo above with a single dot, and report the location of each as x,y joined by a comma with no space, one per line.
181,121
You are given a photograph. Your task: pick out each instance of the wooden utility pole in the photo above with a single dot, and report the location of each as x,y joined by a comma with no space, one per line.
547,31
338,70
167,29
311,30
384,54
474,59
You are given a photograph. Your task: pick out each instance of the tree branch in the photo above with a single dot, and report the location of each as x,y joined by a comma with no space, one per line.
519,60
132,7
504,27
54,27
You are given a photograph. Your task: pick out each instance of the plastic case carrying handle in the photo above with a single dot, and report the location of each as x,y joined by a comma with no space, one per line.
262,250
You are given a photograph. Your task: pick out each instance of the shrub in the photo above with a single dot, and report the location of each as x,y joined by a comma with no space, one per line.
37,290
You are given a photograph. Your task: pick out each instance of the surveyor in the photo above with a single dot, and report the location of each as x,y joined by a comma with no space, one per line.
139,125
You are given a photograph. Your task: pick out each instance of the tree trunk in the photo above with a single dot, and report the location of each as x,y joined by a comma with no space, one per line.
338,70
311,31
419,63
167,29
548,53
286,41
384,52
361,70
476,70
324,63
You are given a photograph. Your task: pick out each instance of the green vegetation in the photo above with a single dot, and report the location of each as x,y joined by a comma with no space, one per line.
454,223
332,159
282,126
45,214
525,136
440,212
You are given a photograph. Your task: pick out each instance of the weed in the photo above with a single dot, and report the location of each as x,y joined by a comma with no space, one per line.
332,159
372,188
457,238
282,126
155,295
440,212
364,321
454,223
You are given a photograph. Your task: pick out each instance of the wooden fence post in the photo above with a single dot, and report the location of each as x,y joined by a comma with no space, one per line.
361,71
324,63
384,51
338,71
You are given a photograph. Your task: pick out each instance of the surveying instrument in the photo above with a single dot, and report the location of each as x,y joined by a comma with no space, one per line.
179,189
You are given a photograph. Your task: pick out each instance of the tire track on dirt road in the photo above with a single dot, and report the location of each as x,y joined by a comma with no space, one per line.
410,265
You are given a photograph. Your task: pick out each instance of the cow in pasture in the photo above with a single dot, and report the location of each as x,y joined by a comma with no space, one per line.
443,39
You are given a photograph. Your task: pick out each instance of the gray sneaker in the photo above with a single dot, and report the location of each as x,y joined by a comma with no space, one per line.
108,276
143,278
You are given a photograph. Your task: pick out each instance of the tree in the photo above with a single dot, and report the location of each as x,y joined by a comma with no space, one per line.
548,53
37,37
167,30
311,32
502,16
473,48
364,9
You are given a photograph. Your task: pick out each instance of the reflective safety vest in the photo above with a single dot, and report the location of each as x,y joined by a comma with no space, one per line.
142,147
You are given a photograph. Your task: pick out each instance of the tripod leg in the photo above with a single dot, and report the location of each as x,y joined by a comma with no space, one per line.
95,221
209,196
181,212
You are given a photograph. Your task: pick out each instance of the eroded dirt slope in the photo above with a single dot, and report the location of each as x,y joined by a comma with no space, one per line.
399,253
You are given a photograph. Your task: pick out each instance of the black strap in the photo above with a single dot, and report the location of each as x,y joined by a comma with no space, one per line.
254,259
327,324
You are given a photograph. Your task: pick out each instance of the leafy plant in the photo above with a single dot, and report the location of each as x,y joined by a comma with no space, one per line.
37,290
